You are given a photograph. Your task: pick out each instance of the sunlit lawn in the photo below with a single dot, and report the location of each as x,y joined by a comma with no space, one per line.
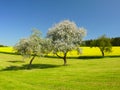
50,74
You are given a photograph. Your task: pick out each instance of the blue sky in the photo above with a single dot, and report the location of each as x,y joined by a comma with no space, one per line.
19,17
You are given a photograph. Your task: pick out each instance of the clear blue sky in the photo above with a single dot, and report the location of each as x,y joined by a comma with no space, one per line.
18,17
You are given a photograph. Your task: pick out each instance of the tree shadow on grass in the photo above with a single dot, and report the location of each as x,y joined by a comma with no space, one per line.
80,57
114,56
11,53
87,57
97,57
33,66
16,61
90,57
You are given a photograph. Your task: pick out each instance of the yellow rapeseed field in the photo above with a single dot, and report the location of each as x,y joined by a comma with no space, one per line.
86,51
6,49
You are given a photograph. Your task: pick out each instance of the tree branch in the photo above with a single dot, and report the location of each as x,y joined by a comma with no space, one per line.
59,56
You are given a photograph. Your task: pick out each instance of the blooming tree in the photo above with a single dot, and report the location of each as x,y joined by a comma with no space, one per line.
30,46
65,36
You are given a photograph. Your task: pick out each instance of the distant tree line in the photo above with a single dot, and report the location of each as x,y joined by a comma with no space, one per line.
3,46
114,41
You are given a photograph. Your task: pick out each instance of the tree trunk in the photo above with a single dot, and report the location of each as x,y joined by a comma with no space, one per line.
102,53
64,58
31,61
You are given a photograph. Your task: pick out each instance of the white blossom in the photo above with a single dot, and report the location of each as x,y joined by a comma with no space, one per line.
66,36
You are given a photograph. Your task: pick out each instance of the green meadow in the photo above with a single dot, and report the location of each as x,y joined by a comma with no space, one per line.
50,74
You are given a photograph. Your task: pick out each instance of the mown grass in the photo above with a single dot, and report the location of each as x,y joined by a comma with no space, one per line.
50,74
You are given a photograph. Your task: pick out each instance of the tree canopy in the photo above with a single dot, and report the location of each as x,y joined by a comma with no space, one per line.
30,46
114,41
103,43
65,36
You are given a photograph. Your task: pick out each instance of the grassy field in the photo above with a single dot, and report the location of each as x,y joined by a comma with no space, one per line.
50,74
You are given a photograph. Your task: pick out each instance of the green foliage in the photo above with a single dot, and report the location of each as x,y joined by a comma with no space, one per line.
115,41
1,45
103,43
